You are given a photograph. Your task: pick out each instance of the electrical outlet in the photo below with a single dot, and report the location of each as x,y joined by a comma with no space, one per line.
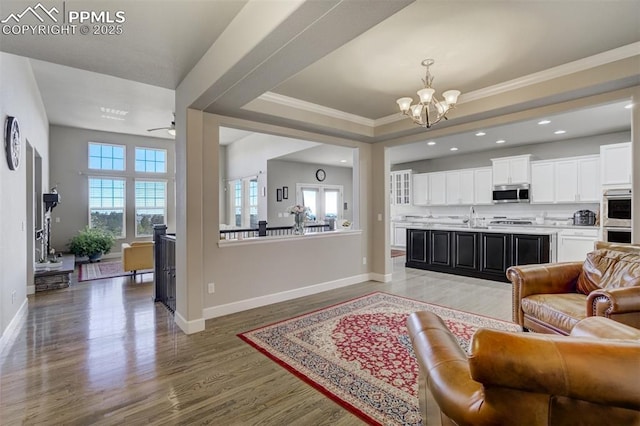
364,260
212,288
13,297
379,217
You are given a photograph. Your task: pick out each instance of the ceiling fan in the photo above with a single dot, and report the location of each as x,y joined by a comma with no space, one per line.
170,129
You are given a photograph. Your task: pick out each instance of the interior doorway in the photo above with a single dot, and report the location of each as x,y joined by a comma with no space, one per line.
33,163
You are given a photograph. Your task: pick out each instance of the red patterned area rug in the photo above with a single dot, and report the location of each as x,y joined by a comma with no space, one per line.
359,353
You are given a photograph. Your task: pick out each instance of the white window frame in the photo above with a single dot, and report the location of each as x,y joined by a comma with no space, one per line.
135,204
124,202
245,207
124,159
321,188
135,160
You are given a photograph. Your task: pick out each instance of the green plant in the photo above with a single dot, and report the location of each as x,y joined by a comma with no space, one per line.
91,241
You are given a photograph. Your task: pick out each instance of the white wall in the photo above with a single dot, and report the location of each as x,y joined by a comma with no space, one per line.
70,172
19,97
289,173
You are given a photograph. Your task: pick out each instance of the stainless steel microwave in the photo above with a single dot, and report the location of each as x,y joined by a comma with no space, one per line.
511,193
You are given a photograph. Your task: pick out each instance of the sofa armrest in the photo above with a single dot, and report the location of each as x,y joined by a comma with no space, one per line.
616,303
548,278
604,328
559,366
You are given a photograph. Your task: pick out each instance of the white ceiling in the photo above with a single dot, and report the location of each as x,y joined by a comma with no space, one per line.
475,45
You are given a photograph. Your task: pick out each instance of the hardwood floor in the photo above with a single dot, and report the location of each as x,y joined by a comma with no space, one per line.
101,352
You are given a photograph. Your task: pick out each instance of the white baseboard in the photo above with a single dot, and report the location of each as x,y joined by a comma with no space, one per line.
12,331
383,278
256,302
31,289
189,327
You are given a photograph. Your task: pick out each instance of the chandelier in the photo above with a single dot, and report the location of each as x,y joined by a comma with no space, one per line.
429,110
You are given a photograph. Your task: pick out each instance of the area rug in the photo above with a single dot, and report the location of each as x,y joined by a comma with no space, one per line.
397,253
359,354
100,270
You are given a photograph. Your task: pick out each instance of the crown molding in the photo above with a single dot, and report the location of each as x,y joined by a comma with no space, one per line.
563,70
315,108
603,58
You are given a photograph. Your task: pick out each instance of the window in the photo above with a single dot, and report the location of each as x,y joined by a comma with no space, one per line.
106,205
150,160
323,201
106,157
151,196
238,203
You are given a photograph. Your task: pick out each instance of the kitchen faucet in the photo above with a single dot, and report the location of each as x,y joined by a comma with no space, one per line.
472,217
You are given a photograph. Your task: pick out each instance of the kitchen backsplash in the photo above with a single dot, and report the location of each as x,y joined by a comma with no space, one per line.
524,210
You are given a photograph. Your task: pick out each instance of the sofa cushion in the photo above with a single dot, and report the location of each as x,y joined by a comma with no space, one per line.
609,269
562,311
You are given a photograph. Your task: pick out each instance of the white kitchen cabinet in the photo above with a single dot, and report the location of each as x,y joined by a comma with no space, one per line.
542,182
420,189
574,244
589,180
399,235
568,180
437,189
511,170
615,164
459,187
401,187
482,186
577,180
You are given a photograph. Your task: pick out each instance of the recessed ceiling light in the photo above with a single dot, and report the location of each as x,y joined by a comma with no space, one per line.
500,141
628,106
453,149
560,132
343,161
544,122
480,134
431,143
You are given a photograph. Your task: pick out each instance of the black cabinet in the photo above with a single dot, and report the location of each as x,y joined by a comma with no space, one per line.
440,248
496,253
476,254
417,247
466,250
529,249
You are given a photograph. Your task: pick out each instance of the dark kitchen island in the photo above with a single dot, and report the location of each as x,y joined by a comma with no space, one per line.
476,252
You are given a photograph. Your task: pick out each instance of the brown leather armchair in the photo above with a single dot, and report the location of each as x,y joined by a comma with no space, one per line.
530,379
552,298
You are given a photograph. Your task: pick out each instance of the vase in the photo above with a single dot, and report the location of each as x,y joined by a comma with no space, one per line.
298,225
95,257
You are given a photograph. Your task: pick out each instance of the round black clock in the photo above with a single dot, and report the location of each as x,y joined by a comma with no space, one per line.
12,142
320,175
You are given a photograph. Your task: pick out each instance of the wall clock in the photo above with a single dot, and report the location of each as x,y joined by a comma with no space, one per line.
12,142
320,175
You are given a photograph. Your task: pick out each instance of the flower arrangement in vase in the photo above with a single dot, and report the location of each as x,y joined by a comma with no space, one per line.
300,214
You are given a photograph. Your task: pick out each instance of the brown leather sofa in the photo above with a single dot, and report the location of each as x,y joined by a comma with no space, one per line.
553,297
530,379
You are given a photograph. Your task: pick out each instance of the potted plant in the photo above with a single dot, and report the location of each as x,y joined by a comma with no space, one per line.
91,242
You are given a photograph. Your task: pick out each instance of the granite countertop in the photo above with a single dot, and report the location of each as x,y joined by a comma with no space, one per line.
439,224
